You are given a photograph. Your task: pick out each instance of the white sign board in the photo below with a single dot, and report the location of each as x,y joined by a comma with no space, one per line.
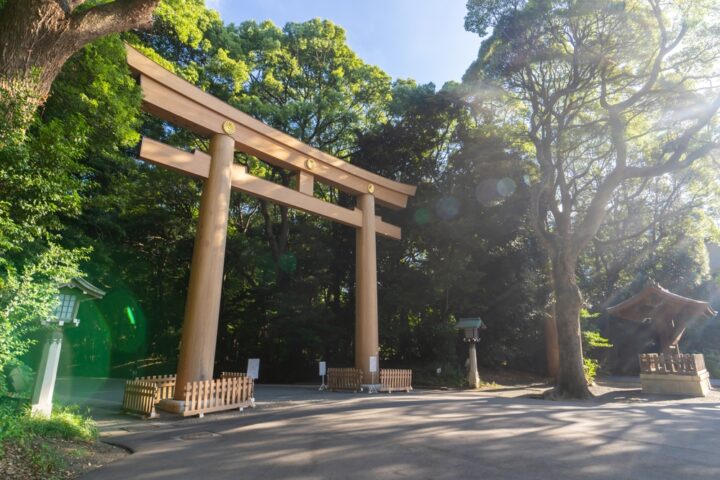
323,369
373,364
253,368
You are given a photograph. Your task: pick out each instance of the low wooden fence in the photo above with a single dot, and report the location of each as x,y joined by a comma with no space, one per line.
157,378
140,397
344,379
393,379
216,395
165,385
232,374
683,364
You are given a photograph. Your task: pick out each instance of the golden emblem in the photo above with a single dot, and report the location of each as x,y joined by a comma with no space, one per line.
310,163
228,127
371,188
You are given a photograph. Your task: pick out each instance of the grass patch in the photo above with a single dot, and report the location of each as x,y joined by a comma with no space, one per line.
35,447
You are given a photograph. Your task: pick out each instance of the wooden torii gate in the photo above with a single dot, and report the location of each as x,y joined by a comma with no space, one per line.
172,99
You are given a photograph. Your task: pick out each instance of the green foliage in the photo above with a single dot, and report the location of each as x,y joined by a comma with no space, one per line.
28,297
451,375
20,379
594,346
66,422
185,20
31,437
593,339
308,82
483,15
18,102
590,366
44,173
96,101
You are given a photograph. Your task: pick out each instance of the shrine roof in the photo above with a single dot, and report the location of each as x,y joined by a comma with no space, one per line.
654,301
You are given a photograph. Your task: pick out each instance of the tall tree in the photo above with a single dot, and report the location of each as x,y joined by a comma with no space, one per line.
37,37
610,92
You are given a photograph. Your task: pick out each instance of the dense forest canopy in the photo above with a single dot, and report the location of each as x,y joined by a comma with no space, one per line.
76,201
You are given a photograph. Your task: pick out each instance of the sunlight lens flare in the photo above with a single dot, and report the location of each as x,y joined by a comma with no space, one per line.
130,315
447,208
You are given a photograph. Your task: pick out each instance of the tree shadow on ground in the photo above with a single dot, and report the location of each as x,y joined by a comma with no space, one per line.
438,436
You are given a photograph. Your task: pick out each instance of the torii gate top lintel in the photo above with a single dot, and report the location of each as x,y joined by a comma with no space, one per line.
173,99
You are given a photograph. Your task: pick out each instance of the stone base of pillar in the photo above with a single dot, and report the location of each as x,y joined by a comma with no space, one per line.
474,379
172,406
41,410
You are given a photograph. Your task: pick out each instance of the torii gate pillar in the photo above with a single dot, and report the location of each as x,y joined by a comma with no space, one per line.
202,308
366,301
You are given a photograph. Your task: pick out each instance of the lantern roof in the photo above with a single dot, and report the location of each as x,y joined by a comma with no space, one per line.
87,289
472,322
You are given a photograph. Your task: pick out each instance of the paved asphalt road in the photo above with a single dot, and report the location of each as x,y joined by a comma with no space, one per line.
299,433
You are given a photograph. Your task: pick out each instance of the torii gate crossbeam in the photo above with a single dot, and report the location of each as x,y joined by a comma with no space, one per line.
197,164
174,100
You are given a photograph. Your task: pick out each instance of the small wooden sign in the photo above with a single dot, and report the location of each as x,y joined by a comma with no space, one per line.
373,367
323,368
253,368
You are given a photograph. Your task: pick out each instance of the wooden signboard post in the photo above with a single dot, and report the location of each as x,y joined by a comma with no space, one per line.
174,100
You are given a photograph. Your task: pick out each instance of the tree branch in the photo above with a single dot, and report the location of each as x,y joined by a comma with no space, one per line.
113,17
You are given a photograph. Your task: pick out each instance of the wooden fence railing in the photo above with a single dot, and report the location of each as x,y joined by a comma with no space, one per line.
165,385
395,379
232,374
344,379
683,364
140,397
217,395
156,378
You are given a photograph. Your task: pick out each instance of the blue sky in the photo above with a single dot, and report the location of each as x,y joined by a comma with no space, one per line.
420,39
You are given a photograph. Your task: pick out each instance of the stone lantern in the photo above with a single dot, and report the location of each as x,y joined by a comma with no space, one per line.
71,295
471,329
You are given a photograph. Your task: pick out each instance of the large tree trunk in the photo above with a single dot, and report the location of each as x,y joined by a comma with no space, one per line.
570,381
38,36
552,347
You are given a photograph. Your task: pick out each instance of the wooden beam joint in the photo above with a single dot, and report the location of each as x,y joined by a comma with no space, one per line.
306,183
